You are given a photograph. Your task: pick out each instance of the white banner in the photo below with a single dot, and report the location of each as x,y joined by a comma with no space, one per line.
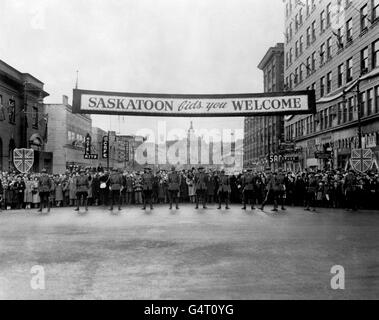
193,105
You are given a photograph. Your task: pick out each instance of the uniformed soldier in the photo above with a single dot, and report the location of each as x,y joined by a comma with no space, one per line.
224,189
147,188
82,188
350,190
311,189
275,187
201,180
115,187
44,186
174,181
281,188
248,181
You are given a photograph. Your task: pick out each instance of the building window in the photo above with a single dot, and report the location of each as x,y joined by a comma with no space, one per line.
375,54
349,70
322,54
314,61
329,48
340,74
344,112
331,115
369,102
340,39
351,109
12,111
296,49
309,66
363,104
35,117
300,16
328,14
301,44
364,61
375,9
340,111
296,22
322,86
377,99
364,14
308,37
329,82
291,54
313,31
321,115
290,30
349,30
322,21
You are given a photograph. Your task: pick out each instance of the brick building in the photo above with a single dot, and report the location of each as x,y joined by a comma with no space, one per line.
23,120
262,135
66,134
332,47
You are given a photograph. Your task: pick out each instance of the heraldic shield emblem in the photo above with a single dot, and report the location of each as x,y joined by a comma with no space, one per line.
361,159
23,159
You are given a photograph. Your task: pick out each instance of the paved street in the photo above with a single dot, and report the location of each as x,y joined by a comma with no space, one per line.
188,254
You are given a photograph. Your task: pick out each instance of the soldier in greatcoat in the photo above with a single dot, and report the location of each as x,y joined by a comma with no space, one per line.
147,187
248,188
174,181
82,188
224,189
201,180
115,187
44,188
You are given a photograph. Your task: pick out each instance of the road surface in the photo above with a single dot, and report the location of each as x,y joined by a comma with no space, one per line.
189,254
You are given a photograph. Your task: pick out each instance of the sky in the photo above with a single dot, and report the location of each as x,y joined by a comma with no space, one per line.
143,46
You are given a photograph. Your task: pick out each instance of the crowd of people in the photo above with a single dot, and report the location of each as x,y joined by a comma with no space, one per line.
98,187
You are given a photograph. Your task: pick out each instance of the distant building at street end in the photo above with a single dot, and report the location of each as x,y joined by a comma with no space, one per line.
66,134
23,120
263,135
332,47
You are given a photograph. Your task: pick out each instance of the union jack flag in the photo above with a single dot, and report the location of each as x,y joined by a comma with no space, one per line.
23,159
361,159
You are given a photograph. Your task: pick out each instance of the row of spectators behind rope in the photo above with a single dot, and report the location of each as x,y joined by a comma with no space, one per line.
334,189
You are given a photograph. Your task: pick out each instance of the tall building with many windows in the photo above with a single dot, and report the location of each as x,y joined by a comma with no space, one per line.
262,135
332,47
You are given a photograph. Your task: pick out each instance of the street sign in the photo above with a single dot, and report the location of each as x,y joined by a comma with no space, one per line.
323,155
361,159
23,159
91,156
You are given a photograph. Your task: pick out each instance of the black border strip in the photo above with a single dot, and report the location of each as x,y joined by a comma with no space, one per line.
77,93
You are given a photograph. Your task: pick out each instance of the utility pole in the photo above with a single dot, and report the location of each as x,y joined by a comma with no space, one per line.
24,126
108,149
359,106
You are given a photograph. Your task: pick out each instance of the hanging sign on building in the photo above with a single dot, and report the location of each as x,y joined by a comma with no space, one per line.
105,147
87,144
361,159
91,156
179,105
23,159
